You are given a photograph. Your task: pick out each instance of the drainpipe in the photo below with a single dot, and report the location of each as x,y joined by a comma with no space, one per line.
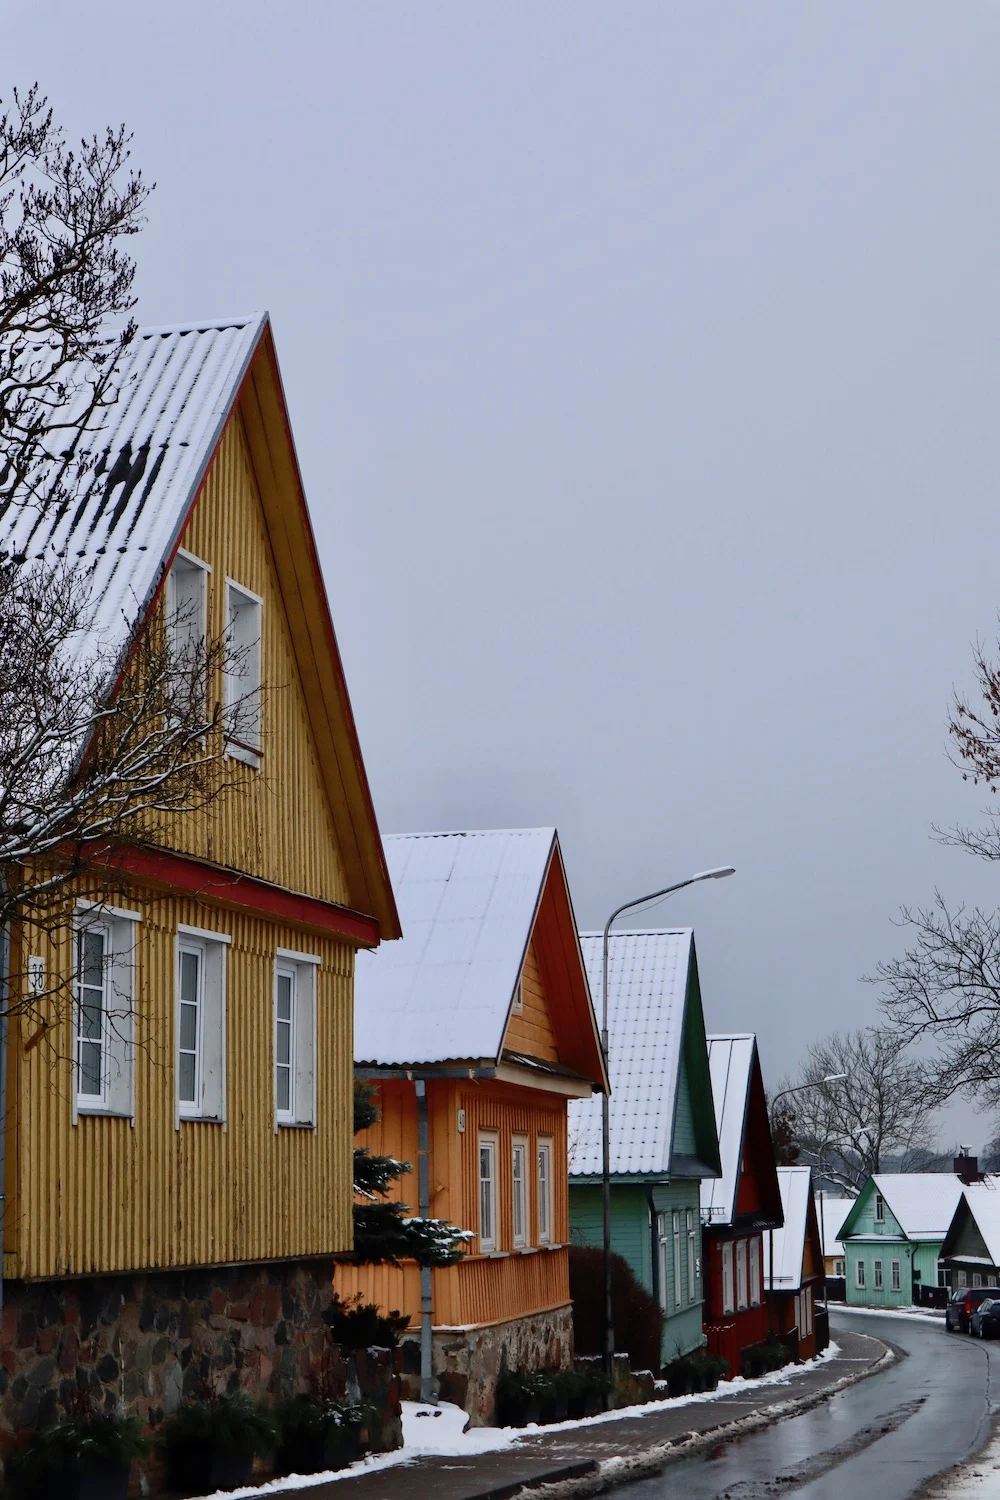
654,1246
424,1203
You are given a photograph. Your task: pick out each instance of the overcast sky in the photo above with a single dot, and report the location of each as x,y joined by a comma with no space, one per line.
642,360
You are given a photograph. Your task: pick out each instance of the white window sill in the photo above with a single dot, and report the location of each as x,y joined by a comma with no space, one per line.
104,1111
244,753
200,1120
296,1124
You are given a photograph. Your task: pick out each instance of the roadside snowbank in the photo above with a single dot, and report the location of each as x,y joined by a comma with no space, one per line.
918,1314
441,1432
979,1479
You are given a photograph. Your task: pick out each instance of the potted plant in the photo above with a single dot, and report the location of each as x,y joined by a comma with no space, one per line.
317,1435
210,1445
81,1458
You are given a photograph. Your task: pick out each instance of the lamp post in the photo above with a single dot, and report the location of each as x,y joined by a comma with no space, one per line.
718,874
781,1094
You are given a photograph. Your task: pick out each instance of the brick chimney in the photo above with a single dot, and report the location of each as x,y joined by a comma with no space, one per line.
966,1167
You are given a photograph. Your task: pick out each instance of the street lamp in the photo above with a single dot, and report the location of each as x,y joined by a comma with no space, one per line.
717,874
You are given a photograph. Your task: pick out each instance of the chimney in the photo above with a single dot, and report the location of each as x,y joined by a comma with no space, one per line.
966,1167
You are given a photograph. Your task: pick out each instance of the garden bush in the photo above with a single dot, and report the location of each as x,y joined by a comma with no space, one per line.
760,1359
637,1317
53,1460
360,1325
316,1435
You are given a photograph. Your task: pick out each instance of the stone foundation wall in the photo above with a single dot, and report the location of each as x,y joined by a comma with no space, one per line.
467,1365
147,1342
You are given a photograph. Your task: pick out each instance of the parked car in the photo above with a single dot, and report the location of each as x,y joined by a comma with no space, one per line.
985,1320
962,1304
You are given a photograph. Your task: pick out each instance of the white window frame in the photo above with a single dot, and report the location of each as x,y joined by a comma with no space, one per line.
692,1263
302,969
878,1280
517,1004
661,1234
239,687
895,1276
962,1279
118,928
183,634
519,1191
544,1189
728,1279
755,1287
838,1266
807,1311
675,1226
859,1275
488,1142
977,1278
879,1209
742,1298
209,1103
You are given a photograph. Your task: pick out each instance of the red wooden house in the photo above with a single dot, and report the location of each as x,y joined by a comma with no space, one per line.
737,1207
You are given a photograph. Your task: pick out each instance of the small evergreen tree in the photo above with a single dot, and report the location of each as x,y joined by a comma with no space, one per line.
383,1232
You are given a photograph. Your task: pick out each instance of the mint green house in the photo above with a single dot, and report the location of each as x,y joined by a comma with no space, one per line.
663,1132
893,1236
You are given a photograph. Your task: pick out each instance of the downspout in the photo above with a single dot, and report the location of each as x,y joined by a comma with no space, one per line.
424,1203
654,1246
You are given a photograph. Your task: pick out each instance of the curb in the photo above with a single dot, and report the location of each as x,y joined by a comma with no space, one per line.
601,1476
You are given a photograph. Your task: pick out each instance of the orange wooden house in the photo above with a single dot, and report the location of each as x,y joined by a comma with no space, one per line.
794,1269
478,1026
178,1164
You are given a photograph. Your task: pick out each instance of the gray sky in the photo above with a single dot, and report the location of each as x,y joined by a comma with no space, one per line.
642,360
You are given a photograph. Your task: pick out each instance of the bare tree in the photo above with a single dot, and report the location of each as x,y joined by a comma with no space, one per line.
878,1109
64,279
946,987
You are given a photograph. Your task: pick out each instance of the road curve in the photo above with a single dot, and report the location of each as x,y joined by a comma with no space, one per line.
884,1437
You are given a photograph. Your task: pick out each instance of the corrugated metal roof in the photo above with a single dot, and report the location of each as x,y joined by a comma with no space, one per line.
647,989
922,1203
730,1060
467,903
154,445
795,1184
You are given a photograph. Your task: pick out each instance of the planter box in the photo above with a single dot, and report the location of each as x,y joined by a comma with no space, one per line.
198,1469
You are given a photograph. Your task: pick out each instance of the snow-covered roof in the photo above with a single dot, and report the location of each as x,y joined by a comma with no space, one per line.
835,1211
730,1060
922,1203
467,902
155,442
983,1199
647,990
790,1241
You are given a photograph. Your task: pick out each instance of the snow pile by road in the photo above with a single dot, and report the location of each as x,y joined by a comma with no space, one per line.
979,1479
442,1432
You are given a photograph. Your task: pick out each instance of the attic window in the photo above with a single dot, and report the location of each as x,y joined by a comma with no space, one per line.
517,1008
186,606
879,1209
243,673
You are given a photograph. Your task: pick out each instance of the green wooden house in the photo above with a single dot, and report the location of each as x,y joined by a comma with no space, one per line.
893,1236
663,1133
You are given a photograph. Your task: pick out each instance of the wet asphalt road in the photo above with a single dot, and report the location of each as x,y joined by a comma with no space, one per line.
884,1437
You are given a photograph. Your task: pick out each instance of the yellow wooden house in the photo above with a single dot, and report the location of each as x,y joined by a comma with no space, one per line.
475,1031
178,1176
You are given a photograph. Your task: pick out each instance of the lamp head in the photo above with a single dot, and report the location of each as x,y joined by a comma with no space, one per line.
835,1078
719,874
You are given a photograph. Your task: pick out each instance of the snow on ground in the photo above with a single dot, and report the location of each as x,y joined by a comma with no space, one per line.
979,1479
441,1432
921,1314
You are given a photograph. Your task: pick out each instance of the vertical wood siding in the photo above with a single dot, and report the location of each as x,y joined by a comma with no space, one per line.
481,1288
109,1194
531,1031
279,826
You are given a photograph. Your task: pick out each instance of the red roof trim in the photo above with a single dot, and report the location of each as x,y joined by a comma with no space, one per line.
246,893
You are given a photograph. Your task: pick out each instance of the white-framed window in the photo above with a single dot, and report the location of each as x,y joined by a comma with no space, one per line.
201,1024
741,1273
859,1274
519,1190
896,1280
676,1233
807,1311
755,1287
517,1004
487,1192
942,1277
187,614
544,1190
879,1209
692,1257
295,1038
877,1275
977,1278
728,1298
664,1260
963,1278
838,1268
104,1010
244,611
